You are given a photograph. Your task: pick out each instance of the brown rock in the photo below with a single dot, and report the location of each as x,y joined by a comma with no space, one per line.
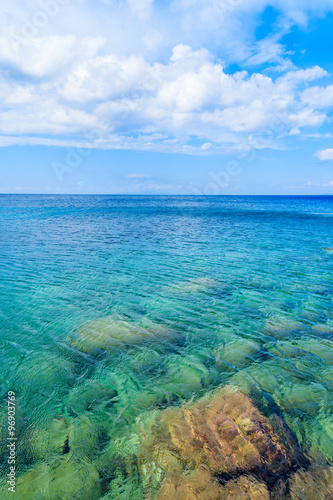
202,486
245,488
314,484
211,442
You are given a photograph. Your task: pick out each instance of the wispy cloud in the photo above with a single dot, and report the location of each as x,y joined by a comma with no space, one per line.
137,176
311,184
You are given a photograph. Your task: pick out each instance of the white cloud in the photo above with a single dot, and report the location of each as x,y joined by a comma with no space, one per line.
139,74
153,187
307,117
103,77
326,154
311,185
137,176
305,75
319,97
188,96
140,8
45,56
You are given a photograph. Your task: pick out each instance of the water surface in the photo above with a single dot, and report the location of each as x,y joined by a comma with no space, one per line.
243,285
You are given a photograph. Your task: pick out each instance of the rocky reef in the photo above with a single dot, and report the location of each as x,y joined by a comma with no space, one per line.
222,446
218,447
141,417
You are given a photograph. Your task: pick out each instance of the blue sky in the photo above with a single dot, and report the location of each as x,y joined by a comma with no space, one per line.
183,97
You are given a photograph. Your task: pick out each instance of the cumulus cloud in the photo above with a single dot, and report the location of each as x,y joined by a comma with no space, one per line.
161,90
318,97
326,154
104,77
44,56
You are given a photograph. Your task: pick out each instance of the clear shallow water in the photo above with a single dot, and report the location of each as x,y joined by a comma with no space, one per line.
244,285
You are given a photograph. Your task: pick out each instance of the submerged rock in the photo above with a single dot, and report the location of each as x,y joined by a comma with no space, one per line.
316,483
203,450
186,375
201,486
323,349
323,329
65,480
86,438
53,368
246,488
282,326
307,398
92,395
48,441
114,332
81,438
238,353
267,376
196,285
318,433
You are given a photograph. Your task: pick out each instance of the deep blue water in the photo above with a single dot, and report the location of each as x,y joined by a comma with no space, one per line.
244,283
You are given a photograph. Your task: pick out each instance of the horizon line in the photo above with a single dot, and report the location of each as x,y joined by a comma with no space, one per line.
159,194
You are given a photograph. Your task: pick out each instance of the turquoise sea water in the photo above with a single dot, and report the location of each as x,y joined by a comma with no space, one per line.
241,286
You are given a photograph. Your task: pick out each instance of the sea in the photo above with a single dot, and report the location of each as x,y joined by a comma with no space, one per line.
228,290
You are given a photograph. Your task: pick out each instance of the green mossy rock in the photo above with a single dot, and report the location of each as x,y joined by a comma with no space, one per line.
148,363
42,371
118,467
195,285
50,440
282,326
75,480
41,382
33,485
308,398
113,332
86,438
66,479
319,433
323,349
266,376
323,329
82,438
185,376
92,395
236,353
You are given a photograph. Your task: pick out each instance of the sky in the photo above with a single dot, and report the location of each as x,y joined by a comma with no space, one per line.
166,97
